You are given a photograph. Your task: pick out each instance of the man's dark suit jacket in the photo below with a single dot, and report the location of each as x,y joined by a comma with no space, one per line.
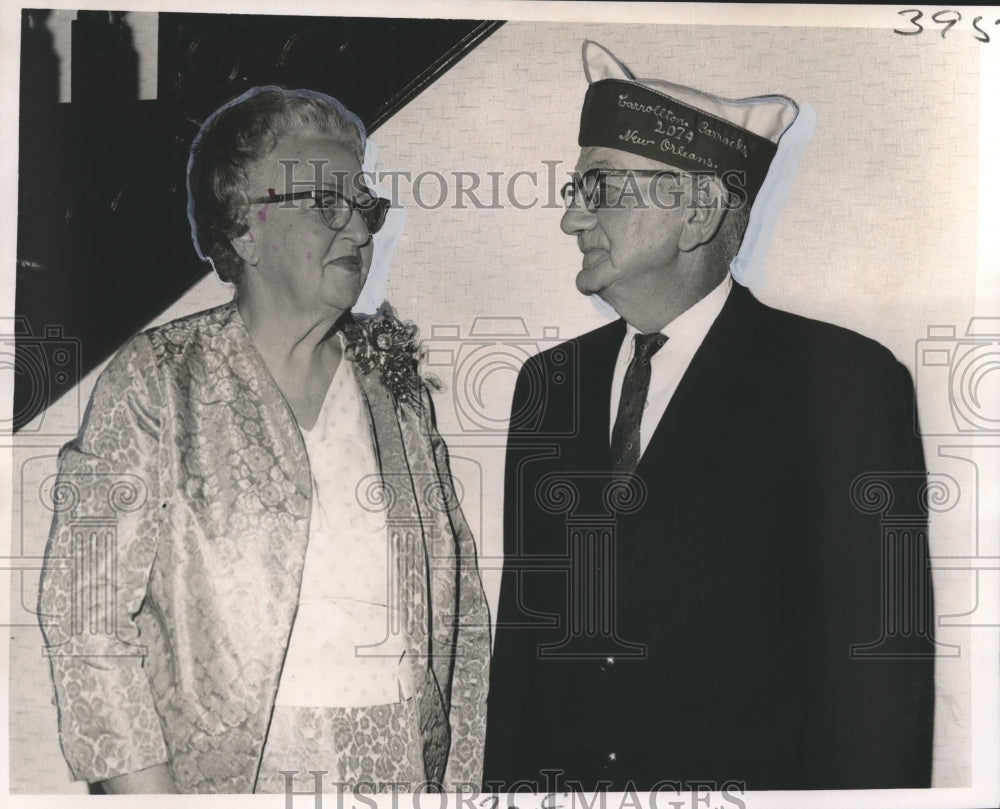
739,570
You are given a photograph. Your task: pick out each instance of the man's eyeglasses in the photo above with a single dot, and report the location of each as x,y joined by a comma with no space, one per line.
592,186
335,208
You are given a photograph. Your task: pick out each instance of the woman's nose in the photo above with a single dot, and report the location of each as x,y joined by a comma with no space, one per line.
356,229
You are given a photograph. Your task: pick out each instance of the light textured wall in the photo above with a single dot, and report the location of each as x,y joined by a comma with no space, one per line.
878,234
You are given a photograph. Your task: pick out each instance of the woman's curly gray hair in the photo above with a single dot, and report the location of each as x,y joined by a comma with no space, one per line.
236,136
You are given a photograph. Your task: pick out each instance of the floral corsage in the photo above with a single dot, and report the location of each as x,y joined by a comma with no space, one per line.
384,342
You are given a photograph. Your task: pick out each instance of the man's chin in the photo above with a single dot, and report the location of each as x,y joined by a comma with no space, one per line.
587,283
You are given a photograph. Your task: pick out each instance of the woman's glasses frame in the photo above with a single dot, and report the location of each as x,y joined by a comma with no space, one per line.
334,208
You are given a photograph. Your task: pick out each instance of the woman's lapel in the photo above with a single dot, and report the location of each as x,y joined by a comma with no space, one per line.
404,471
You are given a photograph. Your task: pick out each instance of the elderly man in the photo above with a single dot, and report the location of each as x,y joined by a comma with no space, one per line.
694,591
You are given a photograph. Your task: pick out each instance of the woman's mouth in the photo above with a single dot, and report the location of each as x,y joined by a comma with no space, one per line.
348,262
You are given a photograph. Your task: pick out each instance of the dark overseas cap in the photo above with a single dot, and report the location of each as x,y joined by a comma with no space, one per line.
679,126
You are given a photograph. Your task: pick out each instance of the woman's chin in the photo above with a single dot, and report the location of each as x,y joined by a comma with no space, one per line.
345,290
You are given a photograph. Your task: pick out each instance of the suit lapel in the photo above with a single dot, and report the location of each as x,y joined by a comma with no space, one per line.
715,367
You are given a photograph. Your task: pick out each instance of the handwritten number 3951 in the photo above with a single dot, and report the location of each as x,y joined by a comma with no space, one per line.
946,17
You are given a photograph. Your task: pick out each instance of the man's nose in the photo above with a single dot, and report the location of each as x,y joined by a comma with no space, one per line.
577,219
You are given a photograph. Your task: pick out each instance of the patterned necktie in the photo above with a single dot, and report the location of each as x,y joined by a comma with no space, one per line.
625,435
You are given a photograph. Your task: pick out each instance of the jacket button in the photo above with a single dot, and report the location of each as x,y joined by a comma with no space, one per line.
607,663
610,761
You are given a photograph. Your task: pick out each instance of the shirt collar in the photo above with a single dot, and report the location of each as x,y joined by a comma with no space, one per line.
688,329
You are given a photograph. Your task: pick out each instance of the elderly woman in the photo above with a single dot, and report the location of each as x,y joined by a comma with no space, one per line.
257,562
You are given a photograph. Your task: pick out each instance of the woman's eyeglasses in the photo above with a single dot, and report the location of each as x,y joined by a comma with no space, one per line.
335,208
592,186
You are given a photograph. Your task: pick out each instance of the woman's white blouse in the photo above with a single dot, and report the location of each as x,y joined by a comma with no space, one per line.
343,652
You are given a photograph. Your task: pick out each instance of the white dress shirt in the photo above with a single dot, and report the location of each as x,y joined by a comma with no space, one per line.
685,334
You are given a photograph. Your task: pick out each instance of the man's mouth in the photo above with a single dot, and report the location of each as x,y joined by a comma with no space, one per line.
593,256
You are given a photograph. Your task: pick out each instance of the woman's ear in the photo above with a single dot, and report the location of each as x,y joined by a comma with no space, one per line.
245,246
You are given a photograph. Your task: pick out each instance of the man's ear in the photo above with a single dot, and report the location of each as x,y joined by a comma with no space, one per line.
706,210
245,246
